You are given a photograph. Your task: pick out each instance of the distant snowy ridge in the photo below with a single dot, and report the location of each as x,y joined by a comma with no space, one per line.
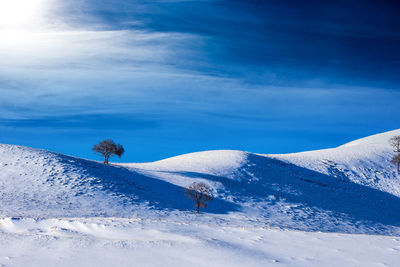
351,188
364,161
376,139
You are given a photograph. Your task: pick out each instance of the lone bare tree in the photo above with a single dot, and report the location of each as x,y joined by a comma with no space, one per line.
395,143
107,148
200,193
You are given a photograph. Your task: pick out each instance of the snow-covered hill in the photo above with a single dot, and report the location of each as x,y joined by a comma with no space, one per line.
364,161
352,188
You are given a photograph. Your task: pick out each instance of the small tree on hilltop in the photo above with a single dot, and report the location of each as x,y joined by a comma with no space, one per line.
107,148
200,193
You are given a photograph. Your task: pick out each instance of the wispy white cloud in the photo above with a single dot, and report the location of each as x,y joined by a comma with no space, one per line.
86,69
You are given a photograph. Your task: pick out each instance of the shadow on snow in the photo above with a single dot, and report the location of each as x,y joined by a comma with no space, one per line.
262,177
257,179
135,188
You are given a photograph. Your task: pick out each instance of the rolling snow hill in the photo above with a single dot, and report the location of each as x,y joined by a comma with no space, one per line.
352,188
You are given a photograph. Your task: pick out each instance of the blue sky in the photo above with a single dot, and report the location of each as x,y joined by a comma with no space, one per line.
170,77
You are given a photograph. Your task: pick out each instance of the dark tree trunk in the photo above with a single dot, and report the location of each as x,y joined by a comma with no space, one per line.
198,207
106,157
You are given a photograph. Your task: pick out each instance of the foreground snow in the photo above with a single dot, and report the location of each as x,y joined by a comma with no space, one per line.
183,242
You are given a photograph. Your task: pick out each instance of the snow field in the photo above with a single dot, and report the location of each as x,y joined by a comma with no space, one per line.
332,207
124,242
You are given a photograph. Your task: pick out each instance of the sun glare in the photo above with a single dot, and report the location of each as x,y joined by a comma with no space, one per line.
20,13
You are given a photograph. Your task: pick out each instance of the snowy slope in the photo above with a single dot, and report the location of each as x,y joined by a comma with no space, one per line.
41,183
352,188
364,161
